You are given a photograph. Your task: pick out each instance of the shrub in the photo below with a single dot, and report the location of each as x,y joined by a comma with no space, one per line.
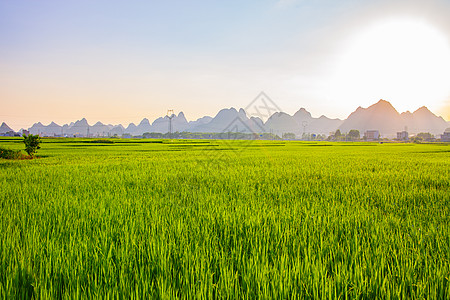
32,144
10,154
102,141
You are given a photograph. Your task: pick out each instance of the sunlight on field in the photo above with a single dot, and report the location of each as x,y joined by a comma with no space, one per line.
232,219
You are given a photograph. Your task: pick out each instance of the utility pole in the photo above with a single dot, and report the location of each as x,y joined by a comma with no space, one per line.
170,115
305,124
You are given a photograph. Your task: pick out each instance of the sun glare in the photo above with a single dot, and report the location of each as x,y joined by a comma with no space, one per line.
404,61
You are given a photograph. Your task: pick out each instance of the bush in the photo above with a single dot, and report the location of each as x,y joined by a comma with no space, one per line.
10,154
32,144
354,135
101,141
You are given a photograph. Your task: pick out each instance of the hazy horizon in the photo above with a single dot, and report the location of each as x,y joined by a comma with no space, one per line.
92,122
119,63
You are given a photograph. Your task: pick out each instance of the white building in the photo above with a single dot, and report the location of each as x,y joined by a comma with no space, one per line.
402,136
446,136
372,135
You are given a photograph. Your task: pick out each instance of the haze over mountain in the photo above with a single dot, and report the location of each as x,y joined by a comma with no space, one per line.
301,122
423,120
4,128
381,116
231,120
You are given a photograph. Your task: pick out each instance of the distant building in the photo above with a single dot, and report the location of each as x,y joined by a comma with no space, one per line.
446,136
9,133
372,135
402,136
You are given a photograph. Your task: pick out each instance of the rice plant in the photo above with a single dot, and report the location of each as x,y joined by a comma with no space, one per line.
225,219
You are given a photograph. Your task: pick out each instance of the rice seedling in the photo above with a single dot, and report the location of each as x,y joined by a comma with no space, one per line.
210,219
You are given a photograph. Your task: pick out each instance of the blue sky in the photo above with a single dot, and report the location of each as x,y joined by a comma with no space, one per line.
121,61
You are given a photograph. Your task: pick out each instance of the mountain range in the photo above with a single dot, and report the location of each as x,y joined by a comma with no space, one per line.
381,116
4,128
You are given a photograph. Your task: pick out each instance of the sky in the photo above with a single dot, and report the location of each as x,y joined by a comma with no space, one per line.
122,61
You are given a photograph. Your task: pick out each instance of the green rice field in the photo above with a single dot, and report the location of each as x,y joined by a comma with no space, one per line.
165,219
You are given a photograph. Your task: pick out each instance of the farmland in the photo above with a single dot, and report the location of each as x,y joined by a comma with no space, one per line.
235,219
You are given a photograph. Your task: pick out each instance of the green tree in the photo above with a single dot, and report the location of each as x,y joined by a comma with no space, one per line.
426,136
288,136
354,135
338,136
31,144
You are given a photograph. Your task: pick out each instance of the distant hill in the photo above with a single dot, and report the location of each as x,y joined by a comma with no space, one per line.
301,122
141,128
381,116
231,120
5,128
201,121
423,120
161,125
99,129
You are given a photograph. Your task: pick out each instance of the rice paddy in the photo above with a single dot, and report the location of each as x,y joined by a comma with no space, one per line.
225,219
